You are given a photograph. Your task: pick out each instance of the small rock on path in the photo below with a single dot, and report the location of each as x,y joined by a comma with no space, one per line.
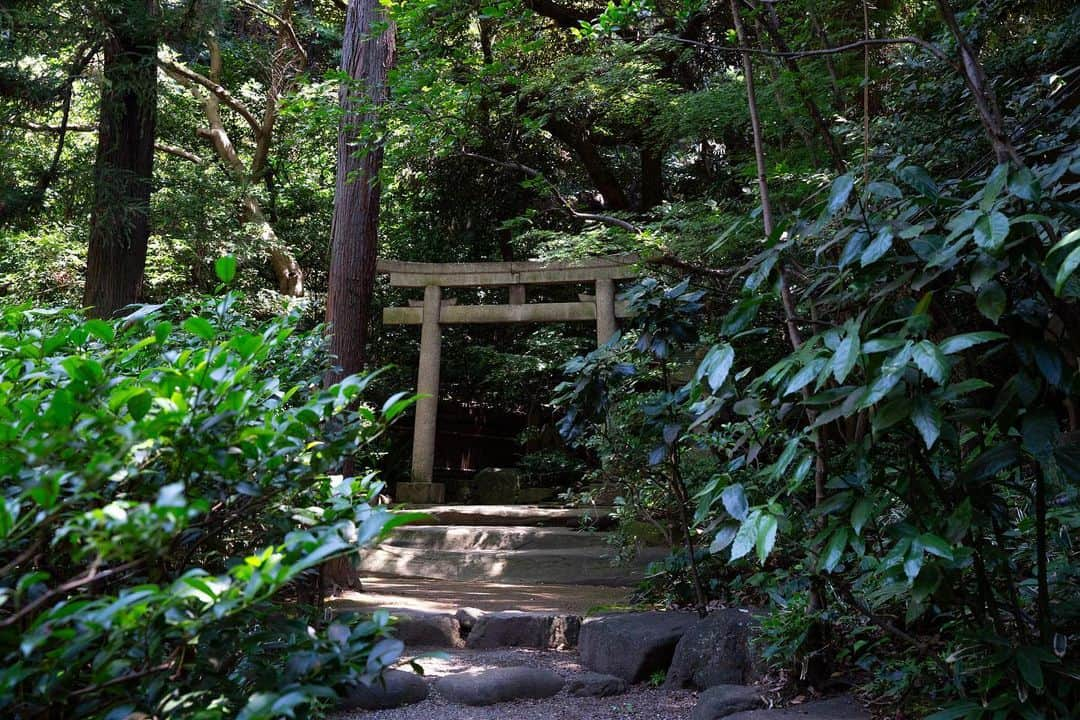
499,685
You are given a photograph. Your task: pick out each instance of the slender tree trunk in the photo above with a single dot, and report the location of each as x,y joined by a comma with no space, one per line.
790,316
367,55
123,171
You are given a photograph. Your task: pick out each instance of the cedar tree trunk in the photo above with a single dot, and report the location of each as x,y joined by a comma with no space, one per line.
123,172
367,58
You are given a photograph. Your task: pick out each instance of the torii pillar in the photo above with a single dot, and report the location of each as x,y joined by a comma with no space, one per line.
433,277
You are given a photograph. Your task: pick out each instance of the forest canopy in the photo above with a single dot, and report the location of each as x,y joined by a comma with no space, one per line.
848,392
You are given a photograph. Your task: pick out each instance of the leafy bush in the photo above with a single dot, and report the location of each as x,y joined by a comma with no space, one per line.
919,472
168,487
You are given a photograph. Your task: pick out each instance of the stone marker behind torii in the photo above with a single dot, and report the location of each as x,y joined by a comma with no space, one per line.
433,277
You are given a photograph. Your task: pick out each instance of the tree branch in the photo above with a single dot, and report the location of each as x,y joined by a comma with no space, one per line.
283,22
186,76
795,54
567,206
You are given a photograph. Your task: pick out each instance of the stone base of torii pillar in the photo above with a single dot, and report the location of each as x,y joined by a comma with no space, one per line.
433,277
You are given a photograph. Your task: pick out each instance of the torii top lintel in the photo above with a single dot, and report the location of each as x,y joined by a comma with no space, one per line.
506,274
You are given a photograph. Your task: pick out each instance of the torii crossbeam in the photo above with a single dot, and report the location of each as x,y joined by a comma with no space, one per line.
602,272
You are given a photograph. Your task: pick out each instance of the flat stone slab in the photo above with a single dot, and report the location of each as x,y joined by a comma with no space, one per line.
512,628
536,515
721,701
394,689
838,708
416,628
632,646
715,651
596,685
499,685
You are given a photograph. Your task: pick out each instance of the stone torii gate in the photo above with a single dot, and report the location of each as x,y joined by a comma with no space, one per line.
435,312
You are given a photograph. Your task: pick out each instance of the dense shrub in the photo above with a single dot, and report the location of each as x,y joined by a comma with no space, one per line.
915,455
168,491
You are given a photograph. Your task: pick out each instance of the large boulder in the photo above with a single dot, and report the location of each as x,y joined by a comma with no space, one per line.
715,651
720,701
416,628
499,685
512,628
592,684
495,486
837,708
393,689
632,646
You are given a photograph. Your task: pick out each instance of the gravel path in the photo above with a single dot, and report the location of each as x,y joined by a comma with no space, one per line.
642,702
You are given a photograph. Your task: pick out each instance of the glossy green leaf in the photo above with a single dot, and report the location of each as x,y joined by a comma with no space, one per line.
834,549
926,417
991,300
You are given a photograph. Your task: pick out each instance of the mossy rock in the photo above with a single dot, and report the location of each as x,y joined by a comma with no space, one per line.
495,486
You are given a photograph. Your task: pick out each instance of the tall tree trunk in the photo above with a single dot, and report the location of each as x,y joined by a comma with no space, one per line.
123,171
366,56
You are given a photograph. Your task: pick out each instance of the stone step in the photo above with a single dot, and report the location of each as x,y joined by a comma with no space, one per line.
496,537
514,515
566,566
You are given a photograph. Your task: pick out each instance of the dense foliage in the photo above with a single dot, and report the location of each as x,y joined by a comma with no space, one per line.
168,480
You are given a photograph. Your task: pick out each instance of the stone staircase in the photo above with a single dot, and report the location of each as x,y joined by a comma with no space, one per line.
509,544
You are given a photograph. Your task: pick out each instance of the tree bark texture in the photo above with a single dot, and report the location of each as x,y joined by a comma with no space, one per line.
123,170
366,56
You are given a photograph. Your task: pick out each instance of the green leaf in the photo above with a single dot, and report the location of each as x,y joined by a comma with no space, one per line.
139,405
878,248
805,375
1067,268
1040,431
891,413
1029,663
926,418
994,185
936,546
200,327
885,190
734,499
766,536
745,539
955,712
100,329
991,300
931,360
846,355
991,231
881,387
860,513
834,550
1024,185
959,343
838,196
918,178
853,248
225,268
